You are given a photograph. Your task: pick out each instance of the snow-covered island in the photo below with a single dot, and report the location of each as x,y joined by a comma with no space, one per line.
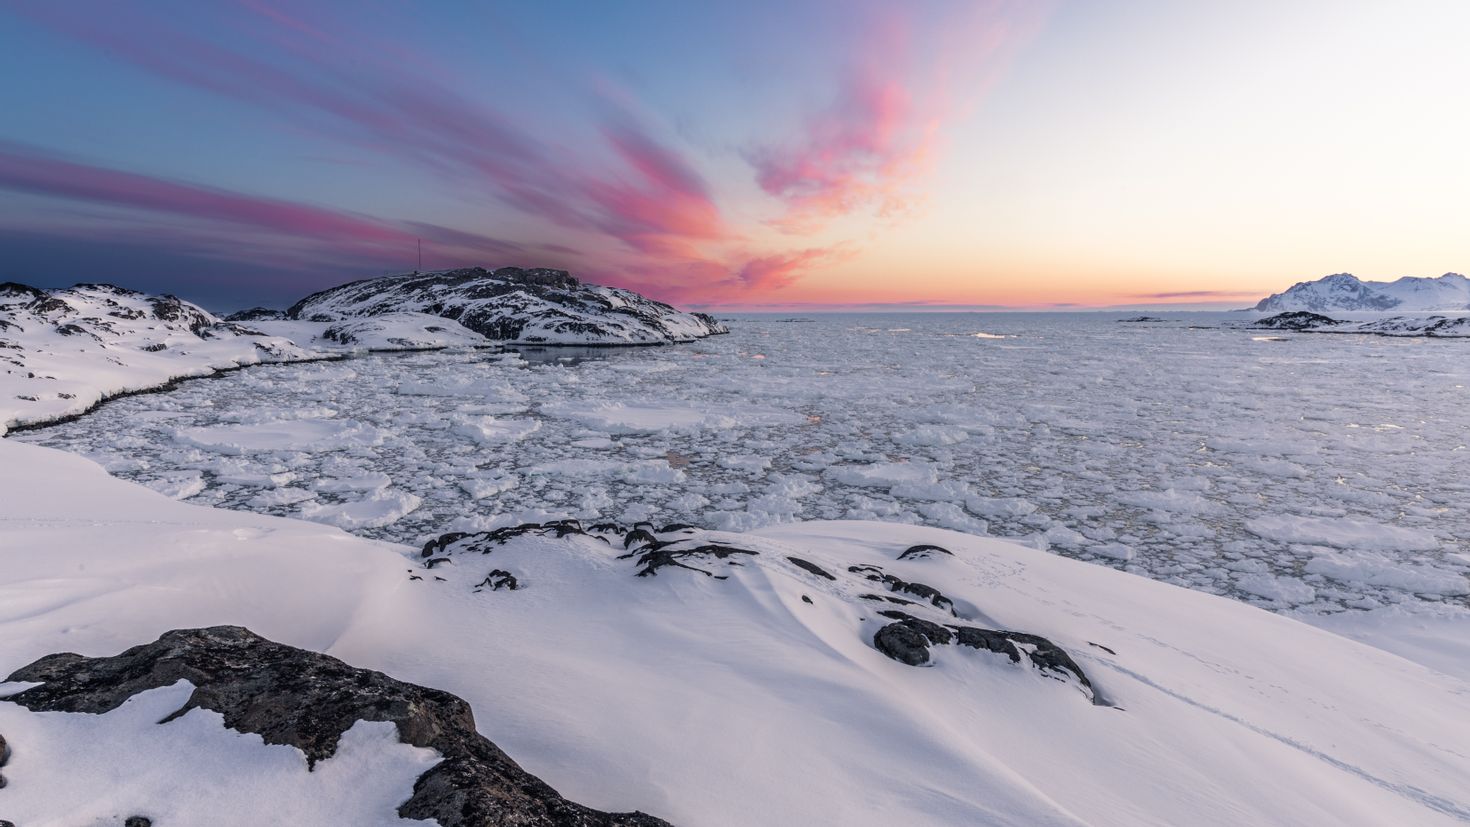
171,663
535,306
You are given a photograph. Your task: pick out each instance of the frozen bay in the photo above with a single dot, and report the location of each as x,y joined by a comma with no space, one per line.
1299,471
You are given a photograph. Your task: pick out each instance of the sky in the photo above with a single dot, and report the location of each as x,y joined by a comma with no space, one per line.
830,154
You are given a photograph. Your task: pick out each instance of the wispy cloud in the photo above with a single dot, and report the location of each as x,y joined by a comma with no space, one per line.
870,147
346,234
1201,294
622,199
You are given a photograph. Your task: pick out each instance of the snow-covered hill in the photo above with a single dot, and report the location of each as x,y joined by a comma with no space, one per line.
1346,292
62,351
717,678
536,306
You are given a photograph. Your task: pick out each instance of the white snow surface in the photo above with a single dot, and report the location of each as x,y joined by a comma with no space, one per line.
389,331
714,701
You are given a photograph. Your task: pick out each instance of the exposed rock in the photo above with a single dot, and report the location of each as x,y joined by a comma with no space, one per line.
14,292
484,542
811,567
887,598
77,330
256,314
307,700
923,552
659,556
639,536
898,584
498,579
1295,320
511,304
907,640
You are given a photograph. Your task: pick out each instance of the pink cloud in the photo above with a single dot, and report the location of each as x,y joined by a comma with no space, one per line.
663,207
28,172
871,147
657,204
349,234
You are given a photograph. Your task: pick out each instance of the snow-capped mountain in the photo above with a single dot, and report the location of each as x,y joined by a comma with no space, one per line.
535,306
1346,292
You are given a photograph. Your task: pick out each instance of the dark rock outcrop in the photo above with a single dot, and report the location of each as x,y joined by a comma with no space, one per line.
923,552
895,583
663,555
908,639
499,579
256,314
1296,320
307,700
811,567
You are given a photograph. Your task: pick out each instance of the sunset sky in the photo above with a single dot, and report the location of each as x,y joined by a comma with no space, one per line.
750,155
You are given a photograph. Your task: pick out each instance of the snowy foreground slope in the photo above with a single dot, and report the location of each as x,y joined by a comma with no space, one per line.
535,306
1346,292
718,694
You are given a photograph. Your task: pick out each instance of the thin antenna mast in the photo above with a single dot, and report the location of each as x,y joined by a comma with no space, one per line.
421,254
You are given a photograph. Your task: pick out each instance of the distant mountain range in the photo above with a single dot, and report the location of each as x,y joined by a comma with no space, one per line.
1346,292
